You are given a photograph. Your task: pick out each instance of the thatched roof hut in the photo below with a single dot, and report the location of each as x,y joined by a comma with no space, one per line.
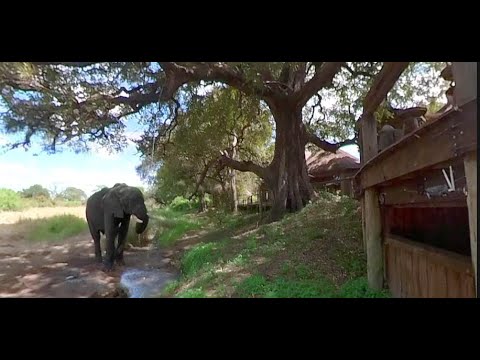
323,165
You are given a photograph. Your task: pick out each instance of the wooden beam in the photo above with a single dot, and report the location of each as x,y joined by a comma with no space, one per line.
373,229
383,83
427,189
471,175
444,139
369,137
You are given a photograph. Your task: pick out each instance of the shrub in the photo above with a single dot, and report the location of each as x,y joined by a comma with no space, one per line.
10,200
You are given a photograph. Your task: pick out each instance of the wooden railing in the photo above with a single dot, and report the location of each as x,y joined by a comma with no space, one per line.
418,270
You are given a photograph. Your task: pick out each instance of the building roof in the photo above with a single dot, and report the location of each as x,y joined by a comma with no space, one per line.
321,163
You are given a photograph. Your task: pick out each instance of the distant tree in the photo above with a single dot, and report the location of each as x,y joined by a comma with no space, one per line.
73,194
36,191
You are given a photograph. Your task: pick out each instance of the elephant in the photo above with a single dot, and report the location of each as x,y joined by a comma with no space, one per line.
108,212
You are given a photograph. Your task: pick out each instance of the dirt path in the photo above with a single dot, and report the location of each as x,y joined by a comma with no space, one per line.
65,269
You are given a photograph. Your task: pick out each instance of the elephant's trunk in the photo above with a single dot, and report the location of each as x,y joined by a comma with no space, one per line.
141,218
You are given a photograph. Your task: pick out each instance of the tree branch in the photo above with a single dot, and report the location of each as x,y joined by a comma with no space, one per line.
322,78
243,166
325,145
383,83
178,75
202,177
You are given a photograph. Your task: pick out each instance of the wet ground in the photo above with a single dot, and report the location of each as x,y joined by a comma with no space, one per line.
145,283
67,269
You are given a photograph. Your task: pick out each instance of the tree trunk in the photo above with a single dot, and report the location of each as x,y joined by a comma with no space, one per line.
233,176
233,184
287,174
202,204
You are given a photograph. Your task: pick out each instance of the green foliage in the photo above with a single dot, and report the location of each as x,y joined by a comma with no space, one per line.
36,191
73,194
181,204
56,228
358,288
253,286
171,288
259,286
10,200
200,256
15,201
172,225
201,133
314,253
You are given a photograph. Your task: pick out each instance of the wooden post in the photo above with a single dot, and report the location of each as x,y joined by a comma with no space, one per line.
345,184
470,163
362,201
373,221
465,76
373,227
369,137
382,84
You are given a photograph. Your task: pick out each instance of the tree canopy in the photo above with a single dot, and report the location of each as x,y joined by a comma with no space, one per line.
36,191
309,102
73,194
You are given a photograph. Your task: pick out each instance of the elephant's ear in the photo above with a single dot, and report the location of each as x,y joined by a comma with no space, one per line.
112,204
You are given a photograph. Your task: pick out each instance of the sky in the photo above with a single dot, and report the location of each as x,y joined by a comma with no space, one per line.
20,169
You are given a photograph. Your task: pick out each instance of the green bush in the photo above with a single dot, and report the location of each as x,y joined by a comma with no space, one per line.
10,200
56,228
181,204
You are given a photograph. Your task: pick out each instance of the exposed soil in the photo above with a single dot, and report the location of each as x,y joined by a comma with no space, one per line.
65,269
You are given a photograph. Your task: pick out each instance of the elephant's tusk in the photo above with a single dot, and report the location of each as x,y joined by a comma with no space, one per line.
137,219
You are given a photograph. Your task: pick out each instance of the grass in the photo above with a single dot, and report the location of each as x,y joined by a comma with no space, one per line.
201,256
56,228
173,224
314,253
259,286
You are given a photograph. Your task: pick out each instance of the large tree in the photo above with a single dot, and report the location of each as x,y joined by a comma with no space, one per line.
222,121
74,102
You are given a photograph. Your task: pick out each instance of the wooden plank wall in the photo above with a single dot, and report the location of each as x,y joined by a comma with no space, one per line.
422,271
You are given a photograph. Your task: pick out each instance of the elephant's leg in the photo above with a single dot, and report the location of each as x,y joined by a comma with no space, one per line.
111,231
96,239
122,236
